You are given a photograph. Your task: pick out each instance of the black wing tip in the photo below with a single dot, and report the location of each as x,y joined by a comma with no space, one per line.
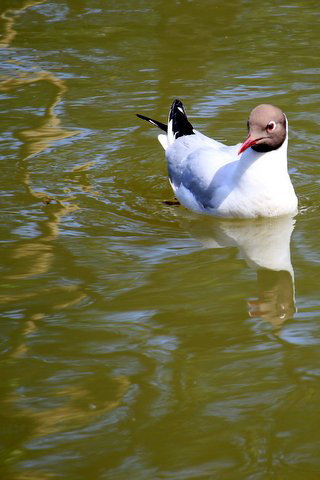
177,105
180,123
142,117
160,125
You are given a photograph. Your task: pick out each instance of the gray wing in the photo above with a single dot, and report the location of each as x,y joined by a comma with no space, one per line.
206,172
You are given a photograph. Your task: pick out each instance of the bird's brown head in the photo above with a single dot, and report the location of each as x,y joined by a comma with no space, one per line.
267,129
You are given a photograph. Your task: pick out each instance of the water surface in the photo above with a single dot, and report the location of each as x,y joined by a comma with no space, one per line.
139,340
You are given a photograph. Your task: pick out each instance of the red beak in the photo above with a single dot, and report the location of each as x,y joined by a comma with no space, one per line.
248,143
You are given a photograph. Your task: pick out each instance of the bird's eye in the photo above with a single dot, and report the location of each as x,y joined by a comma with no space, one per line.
271,126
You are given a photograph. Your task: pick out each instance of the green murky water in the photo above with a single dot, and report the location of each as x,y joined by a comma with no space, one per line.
140,341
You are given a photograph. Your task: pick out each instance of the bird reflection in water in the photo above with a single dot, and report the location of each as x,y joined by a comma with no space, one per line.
265,246
275,300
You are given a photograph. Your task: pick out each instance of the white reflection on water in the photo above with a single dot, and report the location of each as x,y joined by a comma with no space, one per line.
265,246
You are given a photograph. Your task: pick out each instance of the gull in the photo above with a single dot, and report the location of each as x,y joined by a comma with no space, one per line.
246,180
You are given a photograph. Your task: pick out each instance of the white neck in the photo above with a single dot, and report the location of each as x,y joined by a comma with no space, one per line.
265,176
263,165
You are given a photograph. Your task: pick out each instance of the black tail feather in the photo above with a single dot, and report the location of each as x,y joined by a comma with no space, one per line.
180,124
154,122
